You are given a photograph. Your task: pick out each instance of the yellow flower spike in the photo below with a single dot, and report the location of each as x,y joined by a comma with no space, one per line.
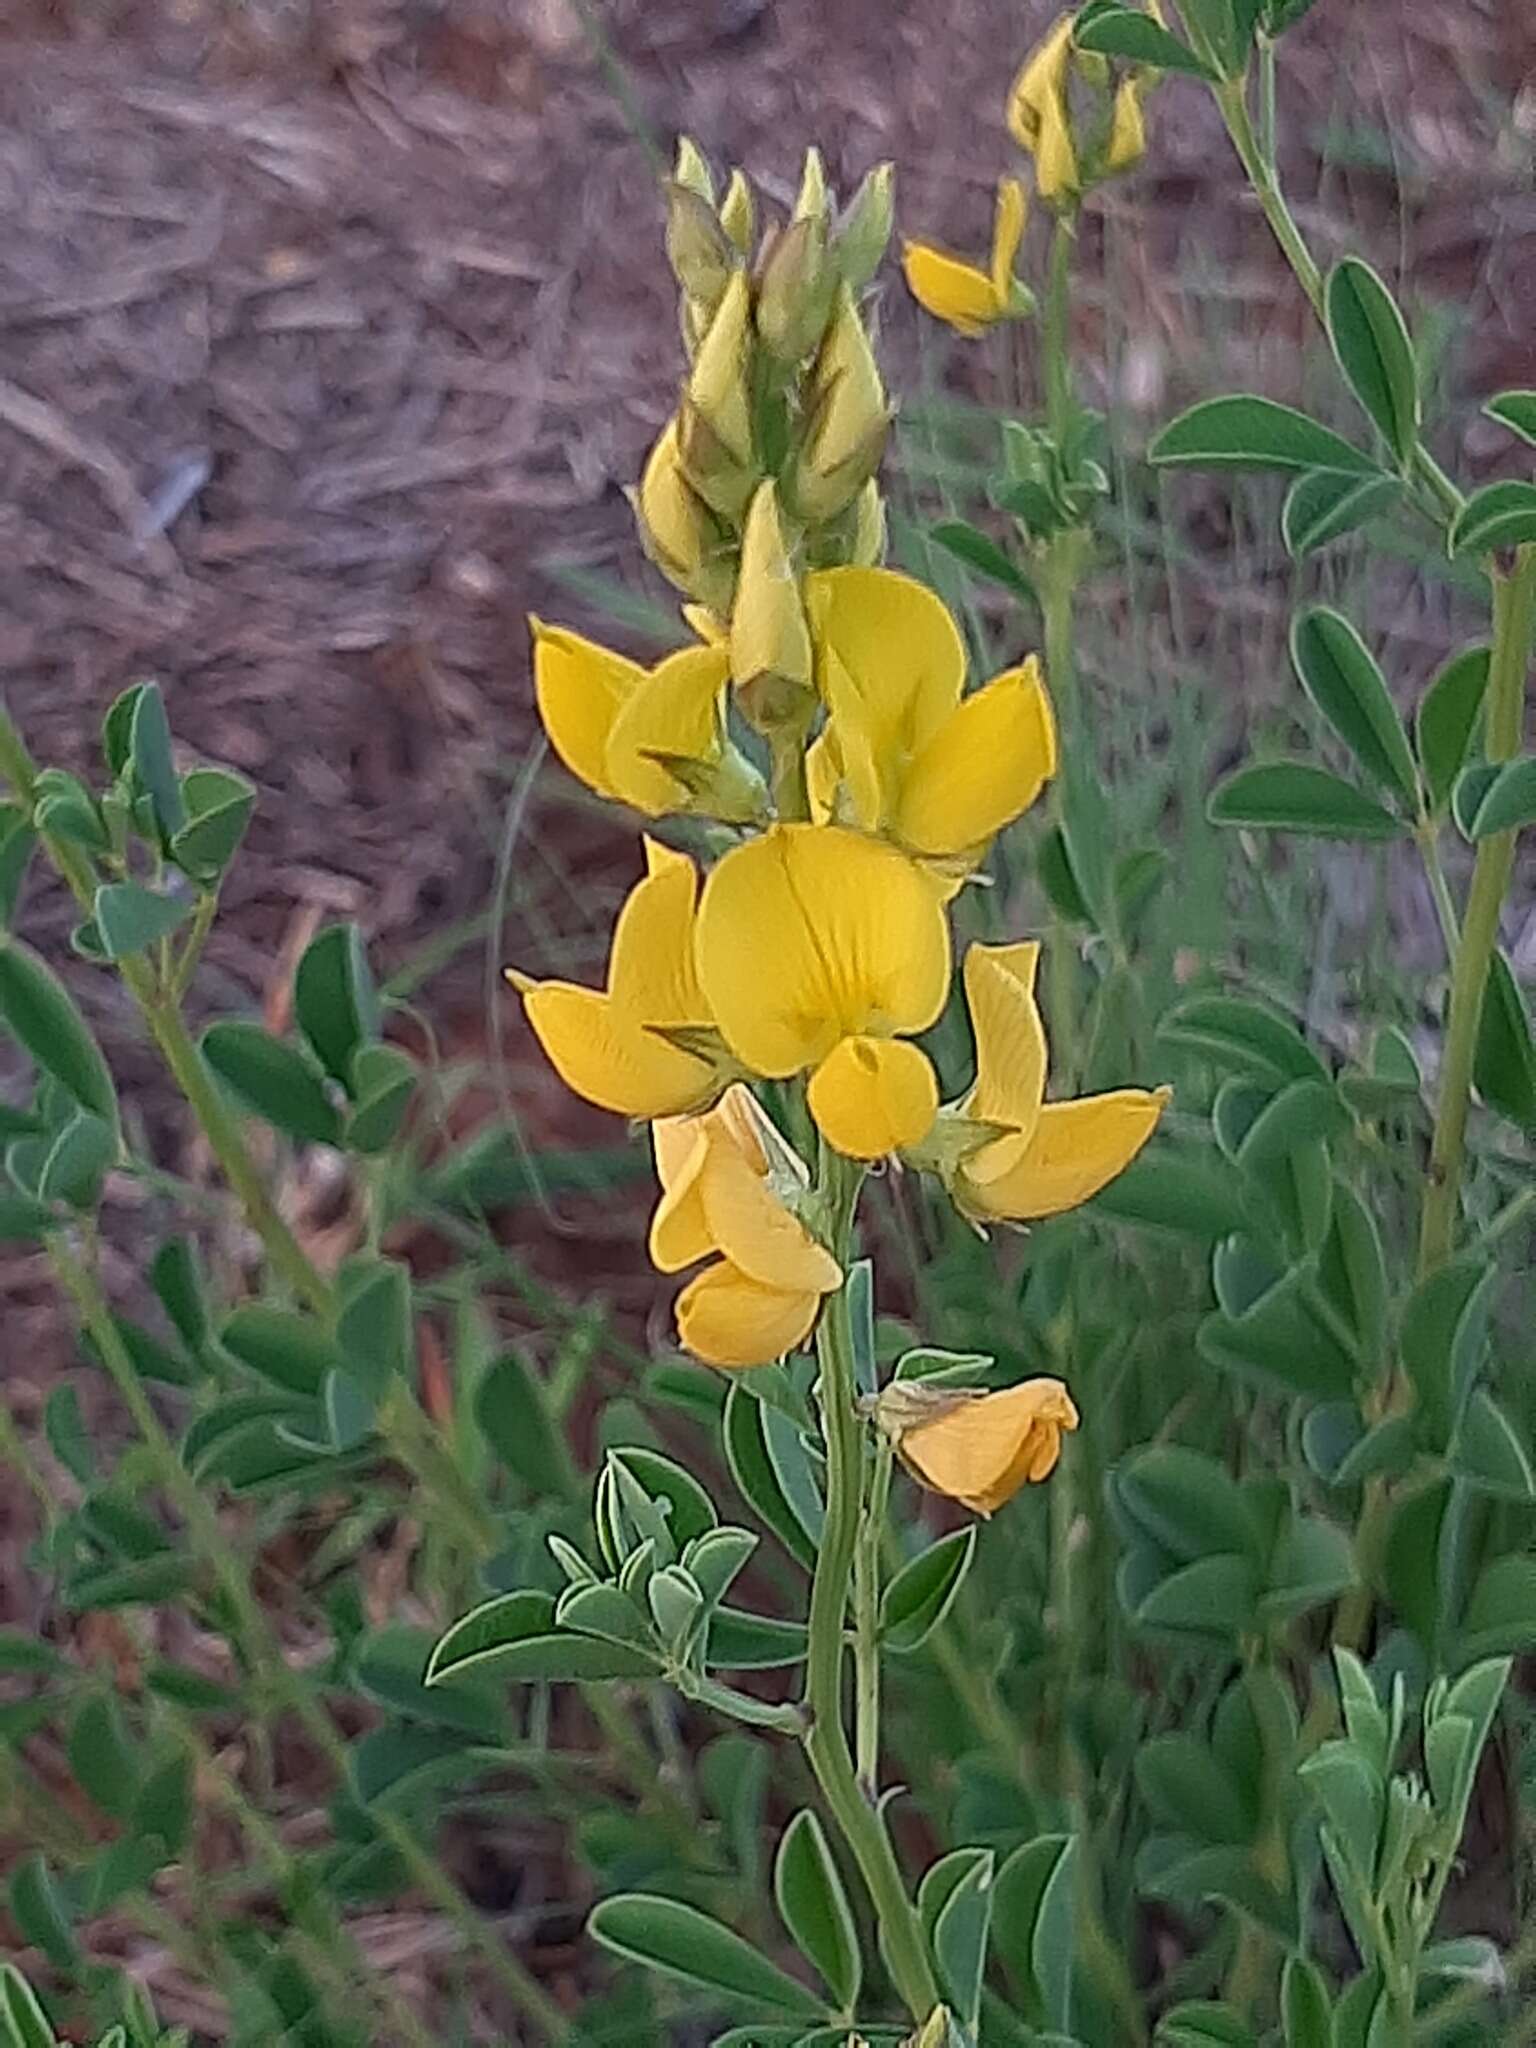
872,1096
981,769
980,1448
581,688
962,295
1031,1158
1038,118
770,639
849,419
724,1176
612,1045
668,750
813,934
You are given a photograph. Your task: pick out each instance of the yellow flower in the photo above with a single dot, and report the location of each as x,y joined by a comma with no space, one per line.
677,529
1006,1153
645,1046
904,754
1038,117
818,949
653,738
981,1448
728,1179
961,294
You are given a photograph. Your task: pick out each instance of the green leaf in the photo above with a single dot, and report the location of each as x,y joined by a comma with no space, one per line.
922,1592
274,1079
1341,677
39,1913
290,1350
1215,1596
38,1011
1500,1616
959,1928
1350,1791
1128,33
17,839
334,998
679,1941
1509,802
1371,343
689,1511
1322,505
219,807
389,1665
1295,796
1245,432
1313,1563
968,544
1515,410
757,1481
163,1804
24,2020
1411,1568
1188,1790
1352,1270
177,1279
1447,719
1498,516
515,1635
68,1436
1444,1334
1187,1503
78,1162
1281,1339
383,1082
512,1412
1488,1452
375,1324
1199,2024
1055,1939
1179,1188
117,728
99,1755
129,918
813,1905
23,1218
739,1641
1244,1037
1504,1067
149,744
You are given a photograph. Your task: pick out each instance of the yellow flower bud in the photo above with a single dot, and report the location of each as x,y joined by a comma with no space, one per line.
677,529
701,253
794,293
869,528
738,212
864,232
770,640
813,201
692,169
849,419
715,423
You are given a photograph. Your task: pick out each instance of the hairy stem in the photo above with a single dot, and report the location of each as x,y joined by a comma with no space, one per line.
866,1623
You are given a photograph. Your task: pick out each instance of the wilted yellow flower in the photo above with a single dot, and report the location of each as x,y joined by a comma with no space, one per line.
1069,158
904,753
728,1180
961,294
677,529
646,1045
654,738
1006,1153
818,950
978,1448
770,644
849,418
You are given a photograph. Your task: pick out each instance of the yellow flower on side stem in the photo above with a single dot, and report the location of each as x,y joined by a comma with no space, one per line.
904,753
978,1448
1076,146
963,295
1005,1153
653,738
728,1179
1038,116
646,1045
819,950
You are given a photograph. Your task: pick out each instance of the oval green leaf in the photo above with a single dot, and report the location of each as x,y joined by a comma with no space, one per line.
1245,432
1447,718
274,1079
1127,32
679,1941
38,1011
813,1905
1340,675
1498,516
1515,410
1293,796
1371,342
1325,504
1504,1066
1509,801
922,1592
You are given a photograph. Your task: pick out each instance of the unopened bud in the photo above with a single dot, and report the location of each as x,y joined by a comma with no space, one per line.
794,293
692,169
864,232
701,253
869,528
738,213
719,388
770,640
813,201
846,437
677,529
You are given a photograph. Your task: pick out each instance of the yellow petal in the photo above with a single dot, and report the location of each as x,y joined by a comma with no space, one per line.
718,386
1007,233
676,709
811,933
580,688
755,1231
651,973
727,1319
982,769
982,1451
1055,154
1041,79
705,624
1128,128
891,643
679,1234
872,1096
1076,1148
951,289
600,1052
769,638
1010,1037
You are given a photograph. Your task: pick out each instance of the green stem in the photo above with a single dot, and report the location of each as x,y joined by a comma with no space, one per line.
826,1740
866,1623
1056,329
265,1652
1514,620
788,784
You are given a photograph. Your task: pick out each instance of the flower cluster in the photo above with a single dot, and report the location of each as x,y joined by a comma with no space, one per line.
821,730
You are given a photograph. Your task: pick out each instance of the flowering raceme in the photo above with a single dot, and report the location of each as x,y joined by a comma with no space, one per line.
963,295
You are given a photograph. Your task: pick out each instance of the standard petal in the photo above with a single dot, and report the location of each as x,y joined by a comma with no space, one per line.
1010,1036
897,646
872,1096
981,1451
728,1320
600,1053
580,688
1007,233
676,711
651,972
982,769
679,1234
1077,1148
1041,80
754,1230
811,933
949,288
